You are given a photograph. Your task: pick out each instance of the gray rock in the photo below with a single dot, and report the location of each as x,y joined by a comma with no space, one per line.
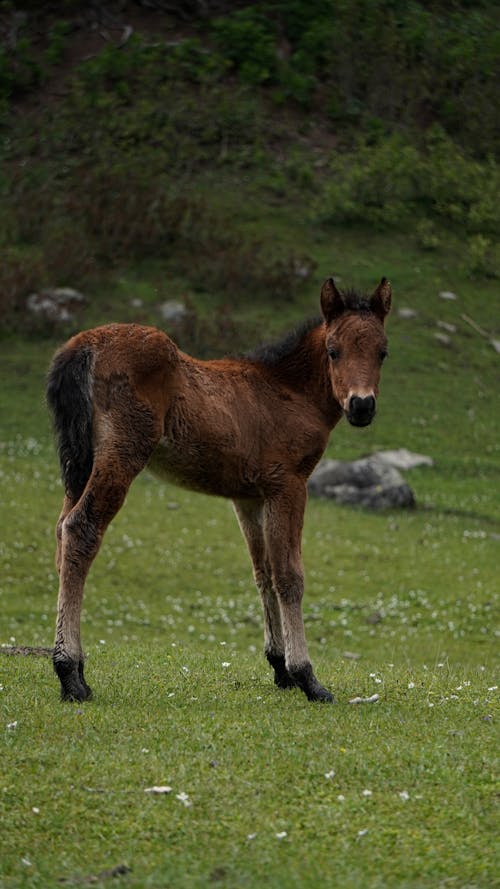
368,482
56,304
171,310
402,458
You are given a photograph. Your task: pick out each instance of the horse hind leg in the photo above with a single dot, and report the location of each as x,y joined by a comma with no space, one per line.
68,504
250,518
81,532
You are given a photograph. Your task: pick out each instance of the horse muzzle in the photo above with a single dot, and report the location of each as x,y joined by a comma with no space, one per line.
361,410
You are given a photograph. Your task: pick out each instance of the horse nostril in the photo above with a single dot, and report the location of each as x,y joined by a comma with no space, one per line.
362,406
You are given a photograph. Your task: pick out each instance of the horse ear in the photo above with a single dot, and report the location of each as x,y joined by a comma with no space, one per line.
332,301
380,301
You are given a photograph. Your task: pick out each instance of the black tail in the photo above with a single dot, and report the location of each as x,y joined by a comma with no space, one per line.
69,396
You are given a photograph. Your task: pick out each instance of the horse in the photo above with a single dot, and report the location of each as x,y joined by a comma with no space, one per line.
250,428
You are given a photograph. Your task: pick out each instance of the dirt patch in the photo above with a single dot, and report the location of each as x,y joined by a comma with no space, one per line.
118,871
26,650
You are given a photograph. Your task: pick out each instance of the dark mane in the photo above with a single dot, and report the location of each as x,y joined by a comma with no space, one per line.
273,353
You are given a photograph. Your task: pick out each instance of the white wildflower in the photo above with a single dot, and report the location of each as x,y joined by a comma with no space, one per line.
183,798
281,835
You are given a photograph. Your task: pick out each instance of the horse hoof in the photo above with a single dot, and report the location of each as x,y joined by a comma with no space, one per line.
76,694
284,681
320,694
282,678
73,685
306,680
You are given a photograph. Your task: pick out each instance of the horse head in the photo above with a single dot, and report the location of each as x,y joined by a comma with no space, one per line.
356,346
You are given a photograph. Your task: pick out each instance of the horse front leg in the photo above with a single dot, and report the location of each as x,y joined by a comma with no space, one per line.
250,515
283,521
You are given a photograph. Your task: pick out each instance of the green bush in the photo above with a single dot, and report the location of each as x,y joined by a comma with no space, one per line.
248,41
394,183
22,270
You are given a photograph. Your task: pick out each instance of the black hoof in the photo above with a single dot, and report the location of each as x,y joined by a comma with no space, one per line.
282,678
73,685
306,680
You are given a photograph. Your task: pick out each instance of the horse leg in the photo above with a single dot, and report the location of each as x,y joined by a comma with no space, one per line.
81,530
283,521
68,504
250,517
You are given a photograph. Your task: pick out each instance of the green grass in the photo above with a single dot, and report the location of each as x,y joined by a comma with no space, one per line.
172,628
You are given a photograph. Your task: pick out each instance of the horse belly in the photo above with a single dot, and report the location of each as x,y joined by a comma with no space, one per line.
200,468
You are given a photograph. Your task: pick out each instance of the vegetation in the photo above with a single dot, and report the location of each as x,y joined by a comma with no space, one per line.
396,794
380,114
235,160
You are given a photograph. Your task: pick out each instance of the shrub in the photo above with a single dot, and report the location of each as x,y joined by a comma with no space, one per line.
394,183
247,40
21,271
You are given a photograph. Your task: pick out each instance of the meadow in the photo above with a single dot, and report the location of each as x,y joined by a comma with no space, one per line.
234,156
266,789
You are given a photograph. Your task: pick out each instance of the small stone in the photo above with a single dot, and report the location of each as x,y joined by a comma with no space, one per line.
404,312
445,325
171,310
496,345
372,699
447,294
443,338
158,788
136,303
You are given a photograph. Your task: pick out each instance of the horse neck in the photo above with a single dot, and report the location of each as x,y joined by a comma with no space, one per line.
306,370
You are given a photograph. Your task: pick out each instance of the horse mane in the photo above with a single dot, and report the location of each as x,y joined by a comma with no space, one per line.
273,353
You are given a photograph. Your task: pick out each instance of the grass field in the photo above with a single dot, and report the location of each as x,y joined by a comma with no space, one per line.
267,789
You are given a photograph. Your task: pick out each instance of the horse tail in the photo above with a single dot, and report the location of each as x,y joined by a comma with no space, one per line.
69,396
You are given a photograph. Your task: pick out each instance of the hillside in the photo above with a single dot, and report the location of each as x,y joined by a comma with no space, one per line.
223,139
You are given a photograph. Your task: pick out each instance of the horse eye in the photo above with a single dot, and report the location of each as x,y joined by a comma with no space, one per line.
383,354
332,354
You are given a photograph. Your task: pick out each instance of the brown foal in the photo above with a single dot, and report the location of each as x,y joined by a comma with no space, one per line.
252,429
